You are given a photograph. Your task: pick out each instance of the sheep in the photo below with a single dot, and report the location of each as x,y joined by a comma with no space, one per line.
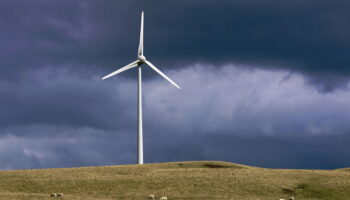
59,195
53,195
291,198
152,196
164,198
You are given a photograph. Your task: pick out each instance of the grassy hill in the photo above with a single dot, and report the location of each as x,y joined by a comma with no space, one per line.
178,180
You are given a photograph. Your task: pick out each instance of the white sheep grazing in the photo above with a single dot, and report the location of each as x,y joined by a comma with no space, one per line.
53,195
152,196
291,198
164,198
59,195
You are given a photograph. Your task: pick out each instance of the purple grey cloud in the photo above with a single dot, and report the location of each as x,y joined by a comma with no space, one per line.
263,83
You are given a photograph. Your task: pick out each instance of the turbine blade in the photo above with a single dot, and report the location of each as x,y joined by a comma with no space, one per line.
129,66
161,73
140,51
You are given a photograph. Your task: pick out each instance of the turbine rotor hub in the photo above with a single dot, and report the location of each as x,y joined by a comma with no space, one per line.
142,58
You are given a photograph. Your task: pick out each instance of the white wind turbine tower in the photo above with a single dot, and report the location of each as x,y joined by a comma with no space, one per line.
141,59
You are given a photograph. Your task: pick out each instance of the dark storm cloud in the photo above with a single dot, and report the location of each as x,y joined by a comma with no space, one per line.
57,98
90,147
307,36
45,146
257,117
269,118
241,64
301,152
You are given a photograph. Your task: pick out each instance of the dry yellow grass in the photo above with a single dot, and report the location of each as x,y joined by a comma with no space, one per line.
179,180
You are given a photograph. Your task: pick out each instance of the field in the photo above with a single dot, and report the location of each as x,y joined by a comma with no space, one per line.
178,180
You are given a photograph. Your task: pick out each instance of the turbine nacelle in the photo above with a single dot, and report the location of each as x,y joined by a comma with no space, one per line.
142,59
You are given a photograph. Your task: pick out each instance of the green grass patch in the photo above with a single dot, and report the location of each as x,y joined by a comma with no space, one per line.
178,180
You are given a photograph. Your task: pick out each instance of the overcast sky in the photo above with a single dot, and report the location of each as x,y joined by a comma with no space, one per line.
264,83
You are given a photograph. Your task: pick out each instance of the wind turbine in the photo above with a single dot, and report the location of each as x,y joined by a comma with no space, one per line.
141,59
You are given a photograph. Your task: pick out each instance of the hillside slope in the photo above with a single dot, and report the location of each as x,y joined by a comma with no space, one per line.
179,180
